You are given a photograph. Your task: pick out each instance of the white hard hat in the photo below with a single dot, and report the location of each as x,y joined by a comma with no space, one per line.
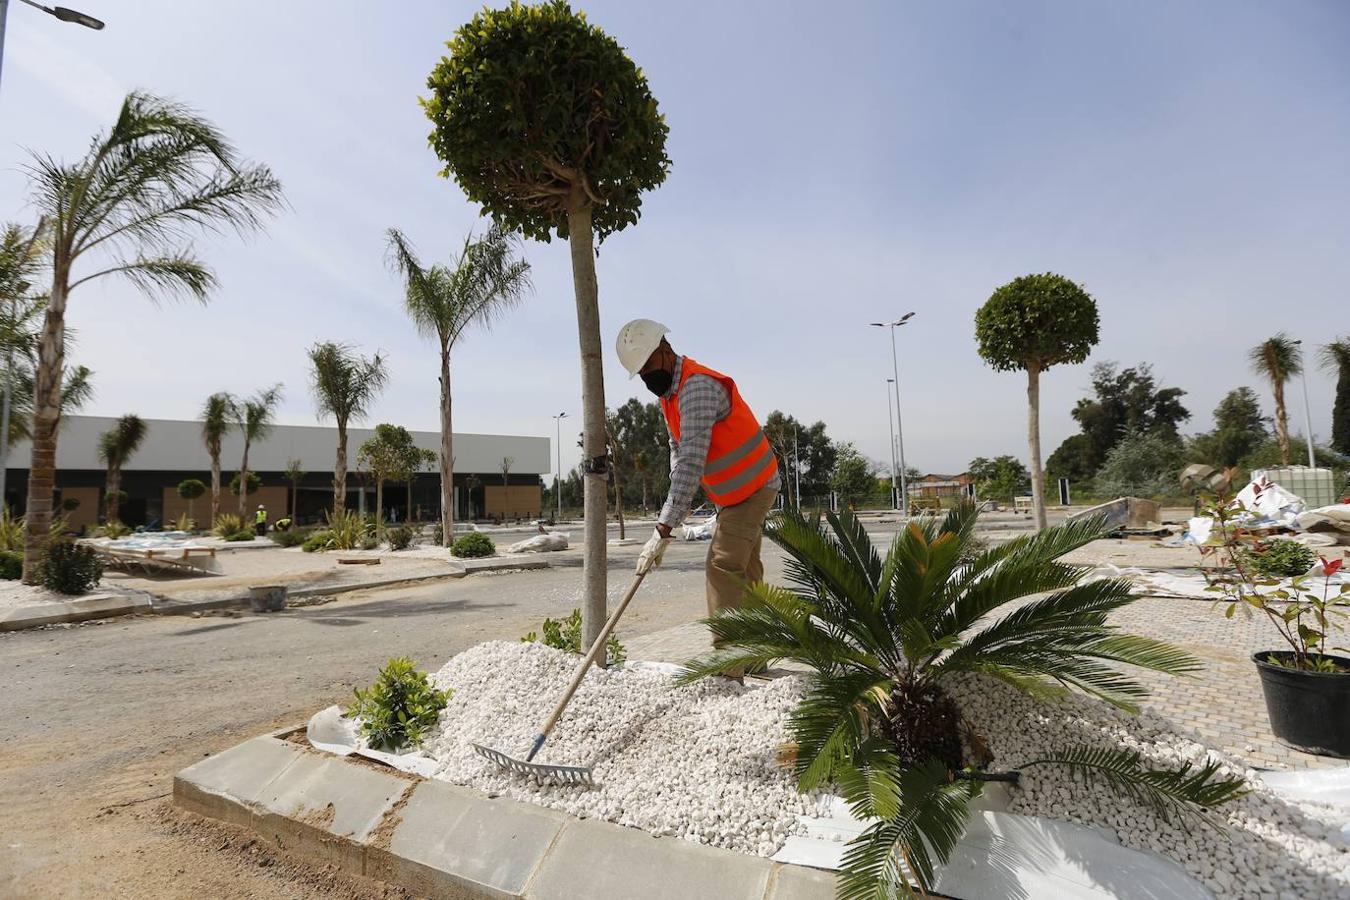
637,341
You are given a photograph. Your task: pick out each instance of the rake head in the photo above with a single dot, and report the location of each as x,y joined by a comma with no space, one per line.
560,774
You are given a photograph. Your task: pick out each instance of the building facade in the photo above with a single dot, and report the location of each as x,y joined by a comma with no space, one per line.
173,451
935,486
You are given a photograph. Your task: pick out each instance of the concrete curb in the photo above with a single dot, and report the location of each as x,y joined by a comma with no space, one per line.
166,607
440,840
99,606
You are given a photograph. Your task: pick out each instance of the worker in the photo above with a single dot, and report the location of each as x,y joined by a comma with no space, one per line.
260,521
283,524
715,440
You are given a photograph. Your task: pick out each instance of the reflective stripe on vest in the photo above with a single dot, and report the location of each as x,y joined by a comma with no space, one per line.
740,460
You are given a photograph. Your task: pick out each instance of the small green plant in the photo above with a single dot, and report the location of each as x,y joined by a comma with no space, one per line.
11,565
291,538
400,537
243,534
70,504
348,529
318,541
438,534
112,530
1278,558
473,544
70,568
565,634
184,523
227,524
398,709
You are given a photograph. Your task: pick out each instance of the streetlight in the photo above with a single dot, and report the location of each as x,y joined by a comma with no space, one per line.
60,12
899,429
1307,413
890,423
557,471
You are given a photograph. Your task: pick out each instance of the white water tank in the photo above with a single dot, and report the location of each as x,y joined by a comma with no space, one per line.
1317,487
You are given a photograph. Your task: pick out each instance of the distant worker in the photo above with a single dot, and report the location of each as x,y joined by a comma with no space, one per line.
283,524
714,439
260,521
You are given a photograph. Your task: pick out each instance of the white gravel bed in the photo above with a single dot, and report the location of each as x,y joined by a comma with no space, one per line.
695,762
699,762
1272,848
16,593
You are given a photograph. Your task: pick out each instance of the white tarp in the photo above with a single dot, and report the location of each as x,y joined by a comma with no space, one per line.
702,531
540,543
1269,502
329,731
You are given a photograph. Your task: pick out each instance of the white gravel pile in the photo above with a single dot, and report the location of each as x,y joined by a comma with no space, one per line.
695,762
699,762
1272,848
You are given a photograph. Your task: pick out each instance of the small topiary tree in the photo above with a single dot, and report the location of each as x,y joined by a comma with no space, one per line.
544,120
1032,323
254,482
190,489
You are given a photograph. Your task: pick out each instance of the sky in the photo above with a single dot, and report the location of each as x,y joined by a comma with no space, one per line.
833,165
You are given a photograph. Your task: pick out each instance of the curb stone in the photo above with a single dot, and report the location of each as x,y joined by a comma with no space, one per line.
442,840
98,606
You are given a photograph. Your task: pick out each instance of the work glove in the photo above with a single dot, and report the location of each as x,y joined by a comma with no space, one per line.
651,554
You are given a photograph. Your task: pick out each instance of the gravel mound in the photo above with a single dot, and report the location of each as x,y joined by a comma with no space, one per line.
696,762
1272,847
699,762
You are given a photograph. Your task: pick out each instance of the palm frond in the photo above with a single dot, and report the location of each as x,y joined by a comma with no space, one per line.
1335,357
1277,359
833,720
344,383
1186,792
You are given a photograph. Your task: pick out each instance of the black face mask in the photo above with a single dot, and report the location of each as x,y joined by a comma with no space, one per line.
658,382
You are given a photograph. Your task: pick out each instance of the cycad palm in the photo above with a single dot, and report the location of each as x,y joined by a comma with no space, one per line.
115,447
1335,358
159,172
444,301
345,384
218,417
881,636
256,417
1277,360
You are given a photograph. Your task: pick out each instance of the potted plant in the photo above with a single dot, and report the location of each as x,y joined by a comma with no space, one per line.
1306,686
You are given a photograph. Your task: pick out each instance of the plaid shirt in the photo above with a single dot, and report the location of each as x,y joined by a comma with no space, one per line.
703,403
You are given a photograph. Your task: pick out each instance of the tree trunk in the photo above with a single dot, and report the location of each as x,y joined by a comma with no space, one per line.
1034,443
112,484
243,485
644,495
447,453
379,505
1281,423
46,420
215,487
407,512
618,501
295,503
581,243
340,469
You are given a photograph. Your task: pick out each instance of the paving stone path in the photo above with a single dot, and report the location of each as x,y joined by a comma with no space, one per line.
1223,703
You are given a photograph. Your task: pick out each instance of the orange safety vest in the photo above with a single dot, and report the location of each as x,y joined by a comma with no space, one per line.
740,461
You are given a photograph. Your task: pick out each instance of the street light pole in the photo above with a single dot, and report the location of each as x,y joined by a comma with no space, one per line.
557,470
899,428
60,12
797,466
890,423
1307,413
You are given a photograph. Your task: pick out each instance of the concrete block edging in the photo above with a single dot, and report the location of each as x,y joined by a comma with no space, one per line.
441,840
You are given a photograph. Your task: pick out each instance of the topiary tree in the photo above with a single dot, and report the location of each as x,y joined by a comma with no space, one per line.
190,489
544,120
1335,359
254,482
1032,323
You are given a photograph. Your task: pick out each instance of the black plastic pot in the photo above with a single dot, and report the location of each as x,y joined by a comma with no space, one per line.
1309,711
267,598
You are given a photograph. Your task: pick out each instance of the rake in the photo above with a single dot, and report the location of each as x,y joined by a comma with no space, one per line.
564,774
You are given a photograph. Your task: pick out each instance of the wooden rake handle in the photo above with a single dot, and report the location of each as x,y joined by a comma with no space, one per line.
596,649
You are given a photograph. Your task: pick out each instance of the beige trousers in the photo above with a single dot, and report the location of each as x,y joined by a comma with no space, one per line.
733,556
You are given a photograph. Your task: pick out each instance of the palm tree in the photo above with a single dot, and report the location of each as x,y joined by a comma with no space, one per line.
444,301
159,171
881,638
256,417
344,384
1277,360
294,474
21,255
1335,358
115,447
218,417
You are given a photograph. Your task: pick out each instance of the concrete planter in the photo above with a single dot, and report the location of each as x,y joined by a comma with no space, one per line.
267,598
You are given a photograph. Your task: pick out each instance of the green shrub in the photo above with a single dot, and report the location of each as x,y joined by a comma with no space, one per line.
369,541
243,534
11,565
70,568
348,529
1279,559
227,524
473,544
565,634
112,530
438,534
318,541
399,708
400,537
289,538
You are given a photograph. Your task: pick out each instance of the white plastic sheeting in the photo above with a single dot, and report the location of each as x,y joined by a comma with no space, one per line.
540,543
